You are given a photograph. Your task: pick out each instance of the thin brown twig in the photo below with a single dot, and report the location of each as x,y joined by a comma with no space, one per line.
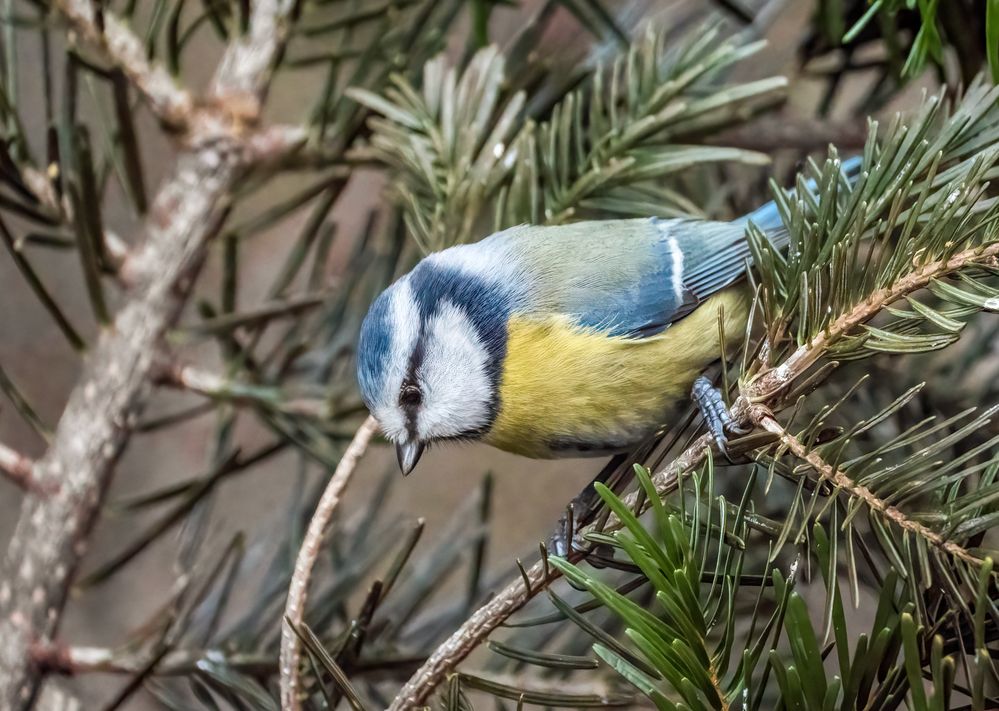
774,132
766,387
762,417
298,591
58,658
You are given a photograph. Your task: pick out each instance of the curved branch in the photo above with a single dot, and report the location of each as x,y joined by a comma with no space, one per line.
298,591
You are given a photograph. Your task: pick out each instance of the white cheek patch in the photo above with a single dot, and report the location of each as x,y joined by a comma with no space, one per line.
454,376
404,318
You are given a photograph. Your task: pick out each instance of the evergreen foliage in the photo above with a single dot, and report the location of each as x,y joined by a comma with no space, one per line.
842,560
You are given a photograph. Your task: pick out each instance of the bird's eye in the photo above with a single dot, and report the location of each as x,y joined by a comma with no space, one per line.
410,396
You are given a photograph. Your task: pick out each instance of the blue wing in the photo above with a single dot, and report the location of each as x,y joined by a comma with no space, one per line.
633,277
624,277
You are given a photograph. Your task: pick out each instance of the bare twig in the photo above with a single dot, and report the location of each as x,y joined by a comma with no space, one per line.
60,659
218,387
762,417
298,591
763,389
257,316
16,467
41,187
52,533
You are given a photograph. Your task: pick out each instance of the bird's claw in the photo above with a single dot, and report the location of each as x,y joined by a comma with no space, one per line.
561,540
712,406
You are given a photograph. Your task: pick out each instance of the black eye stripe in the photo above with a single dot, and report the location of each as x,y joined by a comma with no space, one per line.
410,395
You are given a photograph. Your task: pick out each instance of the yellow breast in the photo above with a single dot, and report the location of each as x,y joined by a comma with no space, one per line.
562,384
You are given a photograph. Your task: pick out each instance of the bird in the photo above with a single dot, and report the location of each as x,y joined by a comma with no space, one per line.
582,339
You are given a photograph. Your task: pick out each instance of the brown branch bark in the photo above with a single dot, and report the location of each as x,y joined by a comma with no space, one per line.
298,591
762,417
172,104
765,388
52,532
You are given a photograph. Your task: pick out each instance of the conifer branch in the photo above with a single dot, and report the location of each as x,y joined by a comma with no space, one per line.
211,385
59,658
763,417
772,381
40,186
472,633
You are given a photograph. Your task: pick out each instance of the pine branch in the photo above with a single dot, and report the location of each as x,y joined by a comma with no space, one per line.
472,633
217,387
41,187
459,147
244,74
771,382
763,417
61,659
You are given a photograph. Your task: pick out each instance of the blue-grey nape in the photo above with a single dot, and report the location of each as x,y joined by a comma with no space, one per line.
487,304
374,346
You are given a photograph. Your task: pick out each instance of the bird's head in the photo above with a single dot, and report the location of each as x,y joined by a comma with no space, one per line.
429,358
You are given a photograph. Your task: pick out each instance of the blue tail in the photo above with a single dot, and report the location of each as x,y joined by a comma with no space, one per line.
767,217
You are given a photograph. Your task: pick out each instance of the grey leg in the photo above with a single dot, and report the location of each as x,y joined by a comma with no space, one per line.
709,401
583,509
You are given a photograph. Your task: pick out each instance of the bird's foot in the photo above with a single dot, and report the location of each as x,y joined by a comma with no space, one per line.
579,513
720,424
583,509
561,541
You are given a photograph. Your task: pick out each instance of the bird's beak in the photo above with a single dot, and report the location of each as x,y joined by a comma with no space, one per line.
409,454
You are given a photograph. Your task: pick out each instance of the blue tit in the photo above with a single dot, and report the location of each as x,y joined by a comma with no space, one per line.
574,340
